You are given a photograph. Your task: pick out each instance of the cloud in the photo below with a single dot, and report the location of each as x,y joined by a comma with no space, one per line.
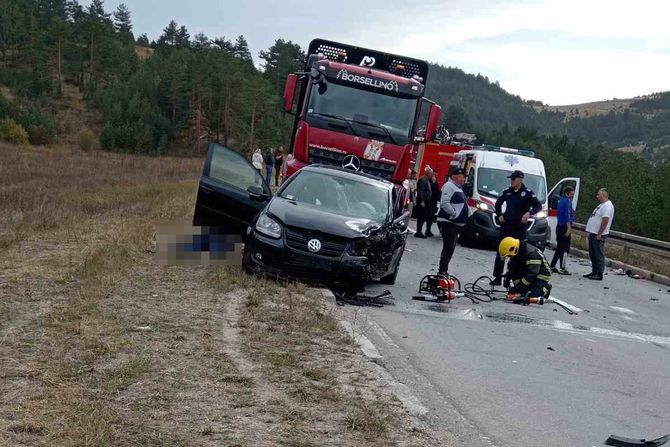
558,51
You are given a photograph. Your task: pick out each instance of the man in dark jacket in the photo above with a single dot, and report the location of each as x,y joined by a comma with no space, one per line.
528,269
269,161
435,195
424,194
520,202
452,216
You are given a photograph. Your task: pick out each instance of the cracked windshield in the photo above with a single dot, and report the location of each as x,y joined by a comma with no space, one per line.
338,195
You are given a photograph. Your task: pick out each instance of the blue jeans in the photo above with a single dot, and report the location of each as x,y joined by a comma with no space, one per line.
268,173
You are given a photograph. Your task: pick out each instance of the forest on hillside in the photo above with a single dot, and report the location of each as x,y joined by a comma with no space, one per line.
175,94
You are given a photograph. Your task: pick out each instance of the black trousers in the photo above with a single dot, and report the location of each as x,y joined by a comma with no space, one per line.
515,231
562,246
449,237
597,254
421,217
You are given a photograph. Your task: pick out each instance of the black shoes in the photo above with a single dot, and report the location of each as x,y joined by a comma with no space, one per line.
594,276
429,234
496,282
561,271
419,235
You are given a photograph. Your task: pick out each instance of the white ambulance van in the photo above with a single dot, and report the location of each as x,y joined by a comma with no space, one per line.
487,169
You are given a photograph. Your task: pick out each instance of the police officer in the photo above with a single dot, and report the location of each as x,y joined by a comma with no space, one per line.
528,269
520,202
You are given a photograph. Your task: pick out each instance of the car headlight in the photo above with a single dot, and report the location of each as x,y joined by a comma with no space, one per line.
359,248
540,215
267,226
484,206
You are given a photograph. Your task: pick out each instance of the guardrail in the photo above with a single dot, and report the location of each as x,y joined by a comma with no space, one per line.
632,242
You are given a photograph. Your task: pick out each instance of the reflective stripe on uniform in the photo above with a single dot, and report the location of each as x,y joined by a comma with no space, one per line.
525,282
534,262
544,277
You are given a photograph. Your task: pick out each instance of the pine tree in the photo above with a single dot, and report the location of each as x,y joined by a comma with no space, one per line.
281,59
182,38
241,50
169,36
201,42
225,45
143,40
122,20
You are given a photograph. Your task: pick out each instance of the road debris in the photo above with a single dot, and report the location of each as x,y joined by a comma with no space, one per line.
630,442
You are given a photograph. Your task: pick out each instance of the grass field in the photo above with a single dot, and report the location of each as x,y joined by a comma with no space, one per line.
103,346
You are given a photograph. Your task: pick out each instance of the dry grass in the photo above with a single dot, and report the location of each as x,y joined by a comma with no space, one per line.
638,259
106,347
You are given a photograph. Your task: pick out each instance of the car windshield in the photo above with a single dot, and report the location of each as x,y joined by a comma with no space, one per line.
393,113
492,182
339,195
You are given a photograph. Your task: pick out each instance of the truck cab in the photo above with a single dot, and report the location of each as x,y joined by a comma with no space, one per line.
487,169
359,109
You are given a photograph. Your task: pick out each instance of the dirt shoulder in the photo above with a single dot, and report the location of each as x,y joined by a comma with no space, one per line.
103,346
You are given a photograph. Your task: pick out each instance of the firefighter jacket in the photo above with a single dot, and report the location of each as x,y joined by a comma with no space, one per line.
528,266
518,203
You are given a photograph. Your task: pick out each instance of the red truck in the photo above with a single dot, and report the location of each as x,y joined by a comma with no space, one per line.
359,109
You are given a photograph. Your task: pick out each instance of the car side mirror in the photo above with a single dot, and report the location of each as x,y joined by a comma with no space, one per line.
467,190
289,92
257,193
553,202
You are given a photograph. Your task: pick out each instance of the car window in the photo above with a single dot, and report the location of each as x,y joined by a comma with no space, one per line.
339,195
230,167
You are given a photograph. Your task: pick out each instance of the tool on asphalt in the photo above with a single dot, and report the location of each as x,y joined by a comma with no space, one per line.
441,287
630,442
360,299
445,288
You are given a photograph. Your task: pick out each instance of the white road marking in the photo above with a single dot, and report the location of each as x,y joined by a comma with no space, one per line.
623,310
363,342
569,327
382,333
563,303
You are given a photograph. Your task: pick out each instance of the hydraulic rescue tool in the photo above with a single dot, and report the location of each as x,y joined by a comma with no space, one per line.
441,287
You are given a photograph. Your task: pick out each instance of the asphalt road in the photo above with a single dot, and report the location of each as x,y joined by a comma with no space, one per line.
509,375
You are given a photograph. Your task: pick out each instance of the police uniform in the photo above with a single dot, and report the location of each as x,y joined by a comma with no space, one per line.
517,203
530,272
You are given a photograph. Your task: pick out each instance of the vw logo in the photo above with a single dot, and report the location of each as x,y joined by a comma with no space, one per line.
314,245
351,162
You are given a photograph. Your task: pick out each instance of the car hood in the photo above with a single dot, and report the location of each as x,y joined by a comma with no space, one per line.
294,214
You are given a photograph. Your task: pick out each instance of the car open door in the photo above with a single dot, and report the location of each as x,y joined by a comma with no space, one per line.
231,192
554,197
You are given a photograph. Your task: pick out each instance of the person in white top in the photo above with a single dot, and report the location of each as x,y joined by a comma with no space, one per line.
598,227
257,160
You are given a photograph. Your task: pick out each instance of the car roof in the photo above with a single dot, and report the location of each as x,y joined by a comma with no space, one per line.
348,173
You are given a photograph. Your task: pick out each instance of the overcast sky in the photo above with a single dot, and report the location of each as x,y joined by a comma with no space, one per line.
556,51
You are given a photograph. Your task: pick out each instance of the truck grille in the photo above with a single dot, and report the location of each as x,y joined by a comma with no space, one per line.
330,158
330,245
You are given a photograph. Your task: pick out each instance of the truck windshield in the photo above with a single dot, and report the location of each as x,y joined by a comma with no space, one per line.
395,115
492,182
339,195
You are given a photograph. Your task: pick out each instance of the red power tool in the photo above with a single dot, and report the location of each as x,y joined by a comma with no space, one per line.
442,287
517,298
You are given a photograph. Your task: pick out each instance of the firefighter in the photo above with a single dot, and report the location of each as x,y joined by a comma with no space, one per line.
520,203
528,269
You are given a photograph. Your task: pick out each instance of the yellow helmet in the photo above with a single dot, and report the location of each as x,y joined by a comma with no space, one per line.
509,247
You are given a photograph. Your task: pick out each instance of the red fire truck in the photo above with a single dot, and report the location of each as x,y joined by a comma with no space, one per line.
360,109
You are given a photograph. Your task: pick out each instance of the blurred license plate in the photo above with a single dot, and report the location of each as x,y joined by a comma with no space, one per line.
310,261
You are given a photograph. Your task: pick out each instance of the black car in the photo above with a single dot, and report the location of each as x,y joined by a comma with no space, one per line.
325,225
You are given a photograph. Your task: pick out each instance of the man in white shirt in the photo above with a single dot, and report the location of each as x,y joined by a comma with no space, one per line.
598,227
